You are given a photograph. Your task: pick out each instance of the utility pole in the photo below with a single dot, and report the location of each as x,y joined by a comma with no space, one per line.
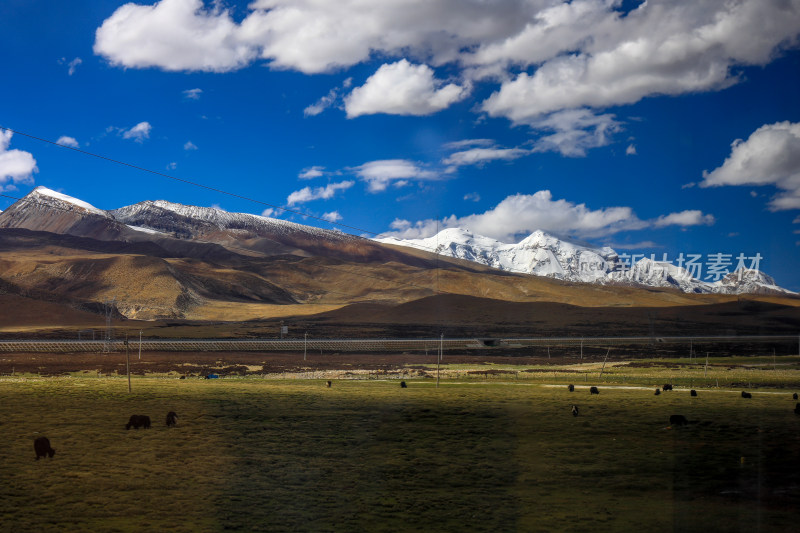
128,362
305,345
604,364
140,345
439,358
705,372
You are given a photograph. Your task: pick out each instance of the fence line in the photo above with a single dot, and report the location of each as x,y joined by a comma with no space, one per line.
365,345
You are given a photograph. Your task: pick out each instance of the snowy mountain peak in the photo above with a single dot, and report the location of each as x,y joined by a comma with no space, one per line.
52,198
543,254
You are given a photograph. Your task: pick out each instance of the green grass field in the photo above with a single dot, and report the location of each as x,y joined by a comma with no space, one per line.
270,455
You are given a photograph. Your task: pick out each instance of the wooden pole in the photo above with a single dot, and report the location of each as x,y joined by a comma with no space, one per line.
439,358
604,364
705,372
128,362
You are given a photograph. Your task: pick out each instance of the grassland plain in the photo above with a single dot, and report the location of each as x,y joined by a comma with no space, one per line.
267,455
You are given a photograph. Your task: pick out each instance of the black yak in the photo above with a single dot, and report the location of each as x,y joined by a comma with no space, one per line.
658,391
692,392
594,390
403,385
667,387
797,409
746,395
571,388
677,420
138,421
794,396
42,447
328,384
172,419
574,410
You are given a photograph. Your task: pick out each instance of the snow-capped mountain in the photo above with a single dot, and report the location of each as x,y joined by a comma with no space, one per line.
542,254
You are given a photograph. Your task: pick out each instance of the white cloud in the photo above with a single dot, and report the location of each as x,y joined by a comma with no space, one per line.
402,89
172,166
189,145
307,194
268,212
192,94
311,173
68,141
473,196
630,150
173,35
642,245
664,47
322,104
16,166
477,156
690,217
333,216
770,156
73,65
574,132
379,174
467,143
522,214
138,133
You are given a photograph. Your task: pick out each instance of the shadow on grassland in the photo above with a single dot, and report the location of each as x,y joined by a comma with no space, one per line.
384,459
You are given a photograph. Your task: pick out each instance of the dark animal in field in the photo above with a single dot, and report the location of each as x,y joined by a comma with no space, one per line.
42,447
138,421
594,390
692,392
182,377
794,396
667,387
658,391
403,385
571,388
746,395
328,384
797,408
677,420
172,419
574,410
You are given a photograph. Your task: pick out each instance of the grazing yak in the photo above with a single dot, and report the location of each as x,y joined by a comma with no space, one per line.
692,392
403,385
574,410
42,448
677,420
794,396
571,388
172,419
796,409
746,395
658,391
328,384
138,421
594,390
667,387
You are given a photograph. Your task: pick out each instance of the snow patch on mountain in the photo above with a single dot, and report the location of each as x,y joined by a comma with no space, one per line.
52,198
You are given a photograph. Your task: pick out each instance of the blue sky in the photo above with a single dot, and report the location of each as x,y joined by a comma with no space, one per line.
664,127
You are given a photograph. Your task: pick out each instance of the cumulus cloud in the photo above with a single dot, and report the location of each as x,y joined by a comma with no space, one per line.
690,217
333,216
138,133
662,47
268,212
543,57
189,145
402,89
68,141
630,150
192,94
311,173
308,194
380,174
173,35
770,156
521,214
574,131
16,166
